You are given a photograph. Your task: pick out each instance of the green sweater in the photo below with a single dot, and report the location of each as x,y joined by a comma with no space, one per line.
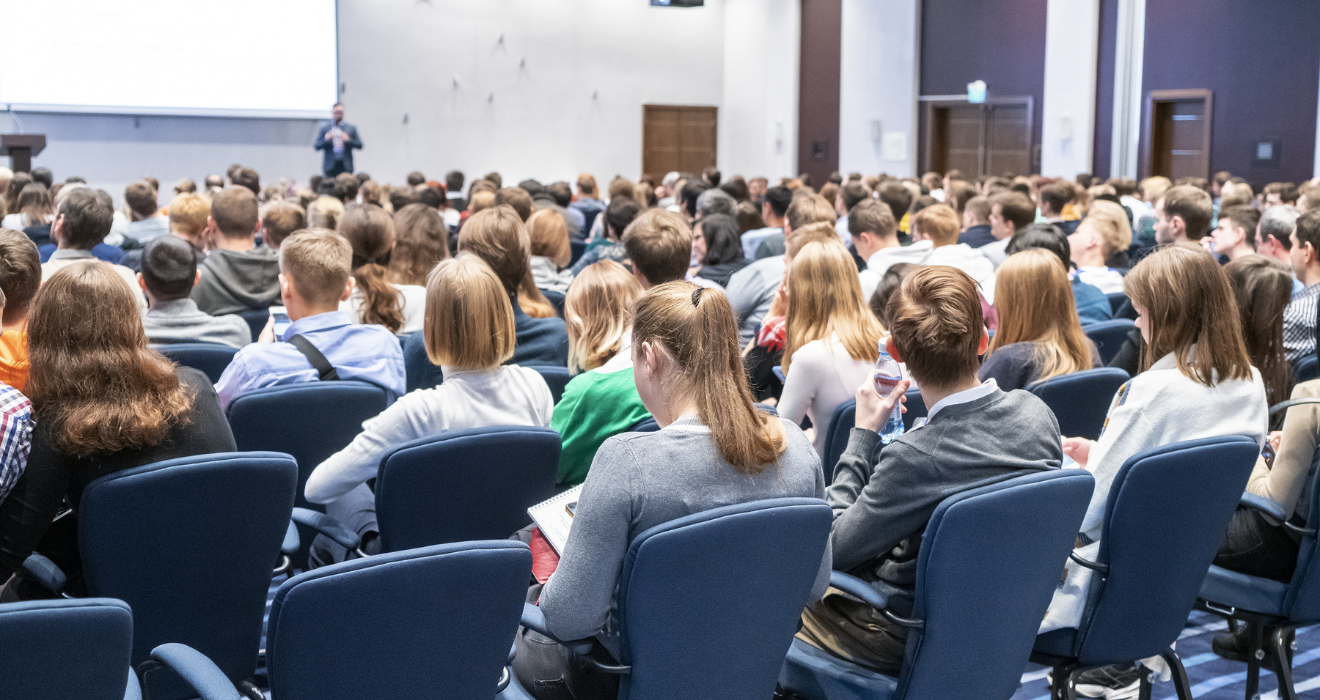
595,406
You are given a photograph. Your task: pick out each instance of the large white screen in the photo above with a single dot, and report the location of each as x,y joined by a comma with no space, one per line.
237,57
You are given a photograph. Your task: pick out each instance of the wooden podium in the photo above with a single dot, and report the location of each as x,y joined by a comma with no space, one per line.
21,147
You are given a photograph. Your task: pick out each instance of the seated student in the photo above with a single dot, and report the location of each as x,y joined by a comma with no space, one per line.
35,213
84,338
1103,234
659,246
400,308
716,246
874,235
603,400
1054,198
83,222
469,332
934,242
617,216
805,202
421,240
1038,336
551,251
975,433
314,278
774,210
1299,318
169,271
832,339
976,223
1262,287
1235,236
147,222
278,222
499,237
236,275
714,449
1010,212
1198,382
20,277
1092,304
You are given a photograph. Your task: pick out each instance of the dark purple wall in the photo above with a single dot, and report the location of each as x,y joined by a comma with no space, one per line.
1104,89
818,92
1261,60
999,41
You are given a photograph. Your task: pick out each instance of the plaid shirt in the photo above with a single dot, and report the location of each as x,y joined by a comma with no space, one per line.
15,436
1299,323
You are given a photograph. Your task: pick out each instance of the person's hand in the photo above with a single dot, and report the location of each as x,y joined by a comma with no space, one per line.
873,409
779,305
1079,449
267,333
1276,437
1208,243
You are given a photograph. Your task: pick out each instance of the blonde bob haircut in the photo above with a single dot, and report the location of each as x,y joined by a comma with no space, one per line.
597,313
469,318
825,300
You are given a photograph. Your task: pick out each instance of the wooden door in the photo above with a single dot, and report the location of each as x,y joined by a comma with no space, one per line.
1008,139
1177,142
678,138
994,138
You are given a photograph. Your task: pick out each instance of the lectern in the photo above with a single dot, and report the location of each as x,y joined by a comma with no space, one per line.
21,147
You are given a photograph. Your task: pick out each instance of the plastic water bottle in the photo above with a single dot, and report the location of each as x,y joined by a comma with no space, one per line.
887,376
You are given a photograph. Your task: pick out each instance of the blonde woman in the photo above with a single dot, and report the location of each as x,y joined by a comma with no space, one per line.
1039,335
603,400
832,339
551,251
421,241
470,333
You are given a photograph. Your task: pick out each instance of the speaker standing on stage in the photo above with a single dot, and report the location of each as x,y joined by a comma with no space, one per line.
337,138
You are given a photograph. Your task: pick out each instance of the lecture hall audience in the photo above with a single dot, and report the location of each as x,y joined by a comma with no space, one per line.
169,273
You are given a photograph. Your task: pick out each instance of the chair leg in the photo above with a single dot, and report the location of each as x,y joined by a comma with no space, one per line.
1279,641
1180,682
250,691
1061,687
1143,690
1255,654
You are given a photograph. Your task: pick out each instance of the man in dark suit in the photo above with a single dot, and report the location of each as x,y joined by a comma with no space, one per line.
337,138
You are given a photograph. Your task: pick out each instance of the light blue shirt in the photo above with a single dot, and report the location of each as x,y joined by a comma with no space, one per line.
752,239
366,353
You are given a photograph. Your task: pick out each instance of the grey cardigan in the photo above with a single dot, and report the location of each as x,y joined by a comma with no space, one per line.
639,480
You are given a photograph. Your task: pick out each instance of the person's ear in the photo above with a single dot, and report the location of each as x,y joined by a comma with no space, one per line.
285,288
197,278
985,342
348,288
641,278
892,348
1179,224
142,282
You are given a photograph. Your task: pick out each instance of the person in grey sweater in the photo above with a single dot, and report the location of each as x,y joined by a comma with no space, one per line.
714,449
169,271
975,434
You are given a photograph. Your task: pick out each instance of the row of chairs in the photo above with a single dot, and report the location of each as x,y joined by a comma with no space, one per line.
438,621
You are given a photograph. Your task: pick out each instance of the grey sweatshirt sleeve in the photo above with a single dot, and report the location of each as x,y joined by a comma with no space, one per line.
853,470
576,600
875,512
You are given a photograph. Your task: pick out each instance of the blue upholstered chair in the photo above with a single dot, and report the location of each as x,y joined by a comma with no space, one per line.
464,485
1081,400
1306,369
210,358
845,417
989,562
556,300
1109,336
1116,301
1272,610
67,650
256,320
1164,518
577,248
695,622
556,378
431,622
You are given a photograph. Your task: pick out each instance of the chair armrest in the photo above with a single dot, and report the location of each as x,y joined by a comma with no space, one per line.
1264,505
1092,565
291,540
534,620
197,671
327,526
44,572
868,594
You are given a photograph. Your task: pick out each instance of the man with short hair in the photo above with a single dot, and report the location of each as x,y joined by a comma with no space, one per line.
1010,212
1053,198
454,188
935,242
587,202
1299,317
247,177
147,222
874,233
517,199
976,223
773,210
416,178
83,221
1235,236
20,277
236,275
716,201
346,187
975,434
169,272
659,244
1182,213
188,217
687,198
322,341
1275,193
280,221
337,138
43,176
899,199
850,195
560,196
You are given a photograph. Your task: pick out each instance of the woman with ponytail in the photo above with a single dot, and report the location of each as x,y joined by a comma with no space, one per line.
713,449
399,307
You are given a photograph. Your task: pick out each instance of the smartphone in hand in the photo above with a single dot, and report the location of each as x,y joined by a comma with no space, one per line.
281,318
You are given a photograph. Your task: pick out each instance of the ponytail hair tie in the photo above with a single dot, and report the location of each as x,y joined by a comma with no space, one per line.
696,296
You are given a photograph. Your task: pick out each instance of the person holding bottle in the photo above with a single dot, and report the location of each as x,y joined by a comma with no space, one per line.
882,498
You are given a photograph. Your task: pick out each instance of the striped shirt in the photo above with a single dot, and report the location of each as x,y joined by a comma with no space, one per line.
1299,323
15,436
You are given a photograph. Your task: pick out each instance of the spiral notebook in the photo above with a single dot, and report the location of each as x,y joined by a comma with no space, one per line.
554,517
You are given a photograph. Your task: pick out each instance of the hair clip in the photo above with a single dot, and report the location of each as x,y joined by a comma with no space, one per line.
696,295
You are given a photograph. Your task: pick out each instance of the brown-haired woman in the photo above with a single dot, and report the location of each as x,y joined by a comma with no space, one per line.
399,307
1039,335
34,211
1198,382
104,401
1263,287
421,239
715,449
551,251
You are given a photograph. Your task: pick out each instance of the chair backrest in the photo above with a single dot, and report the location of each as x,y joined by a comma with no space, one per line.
1306,369
1116,301
1165,516
189,544
845,417
256,320
982,548
577,248
1081,400
556,378
210,358
1108,336
709,603
438,618
310,421
464,485
556,300
65,649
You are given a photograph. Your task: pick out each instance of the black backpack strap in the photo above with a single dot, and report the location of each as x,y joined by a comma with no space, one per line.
327,371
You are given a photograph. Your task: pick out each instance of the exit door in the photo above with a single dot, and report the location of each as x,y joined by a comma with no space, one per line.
993,138
1177,138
